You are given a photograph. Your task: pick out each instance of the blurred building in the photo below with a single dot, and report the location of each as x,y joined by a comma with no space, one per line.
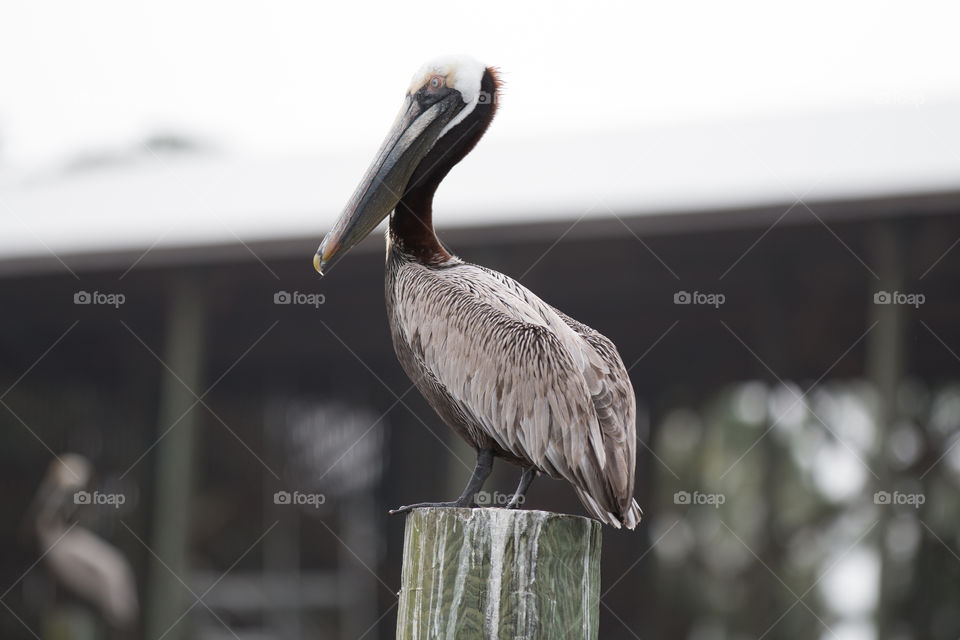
784,294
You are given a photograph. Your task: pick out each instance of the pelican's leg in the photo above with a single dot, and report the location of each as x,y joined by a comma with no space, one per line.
480,473
525,480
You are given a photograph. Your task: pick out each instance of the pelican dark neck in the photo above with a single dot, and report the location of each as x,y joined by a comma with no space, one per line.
411,224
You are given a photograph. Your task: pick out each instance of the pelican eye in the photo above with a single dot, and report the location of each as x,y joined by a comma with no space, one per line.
436,82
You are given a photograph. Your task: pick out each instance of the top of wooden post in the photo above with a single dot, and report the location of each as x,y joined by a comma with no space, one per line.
499,573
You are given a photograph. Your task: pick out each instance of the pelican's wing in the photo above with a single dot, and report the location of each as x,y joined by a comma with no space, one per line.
97,572
534,384
616,408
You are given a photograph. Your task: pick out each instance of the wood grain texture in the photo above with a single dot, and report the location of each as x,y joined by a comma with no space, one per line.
499,574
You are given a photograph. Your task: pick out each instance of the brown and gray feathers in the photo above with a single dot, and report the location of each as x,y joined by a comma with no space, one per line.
510,372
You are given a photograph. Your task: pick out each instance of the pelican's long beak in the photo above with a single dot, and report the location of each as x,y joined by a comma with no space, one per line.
413,134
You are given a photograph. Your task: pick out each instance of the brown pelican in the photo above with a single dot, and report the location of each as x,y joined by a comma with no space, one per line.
513,376
80,561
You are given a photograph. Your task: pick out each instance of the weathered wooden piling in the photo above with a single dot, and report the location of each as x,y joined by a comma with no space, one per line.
499,573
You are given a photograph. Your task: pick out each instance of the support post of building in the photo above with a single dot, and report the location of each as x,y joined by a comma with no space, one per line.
885,368
499,573
178,423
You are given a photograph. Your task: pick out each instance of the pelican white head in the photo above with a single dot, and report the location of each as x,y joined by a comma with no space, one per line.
462,73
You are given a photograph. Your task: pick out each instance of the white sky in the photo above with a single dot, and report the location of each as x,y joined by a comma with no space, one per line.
292,77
